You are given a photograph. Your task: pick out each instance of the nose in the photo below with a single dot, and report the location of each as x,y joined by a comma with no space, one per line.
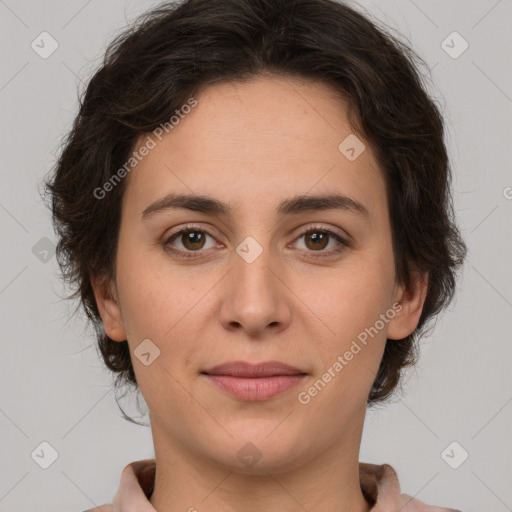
255,296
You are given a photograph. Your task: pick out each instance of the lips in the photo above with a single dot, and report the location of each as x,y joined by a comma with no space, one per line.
254,382
243,369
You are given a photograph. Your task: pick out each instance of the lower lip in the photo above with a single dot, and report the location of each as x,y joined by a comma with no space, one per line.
255,389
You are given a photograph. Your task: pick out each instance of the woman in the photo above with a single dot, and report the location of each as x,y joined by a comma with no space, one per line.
254,206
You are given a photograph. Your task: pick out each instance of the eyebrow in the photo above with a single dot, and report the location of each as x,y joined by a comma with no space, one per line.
294,205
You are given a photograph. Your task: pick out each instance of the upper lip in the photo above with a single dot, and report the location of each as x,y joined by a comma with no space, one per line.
245,369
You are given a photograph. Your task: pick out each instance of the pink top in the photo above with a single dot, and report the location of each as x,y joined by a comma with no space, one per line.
379,484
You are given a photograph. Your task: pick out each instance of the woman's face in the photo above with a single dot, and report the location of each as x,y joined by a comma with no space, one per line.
244,283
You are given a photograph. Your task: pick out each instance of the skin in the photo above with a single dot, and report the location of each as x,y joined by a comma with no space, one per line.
253,144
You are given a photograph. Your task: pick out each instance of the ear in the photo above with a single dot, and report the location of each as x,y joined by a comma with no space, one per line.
411,300
108,307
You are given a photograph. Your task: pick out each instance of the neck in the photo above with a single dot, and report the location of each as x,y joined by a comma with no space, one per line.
190,481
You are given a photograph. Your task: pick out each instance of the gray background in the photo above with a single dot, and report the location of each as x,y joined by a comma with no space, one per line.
54,387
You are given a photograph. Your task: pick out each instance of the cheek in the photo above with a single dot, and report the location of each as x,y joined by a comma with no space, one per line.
163,304
156,306
154,295
350,308
351,354
144,307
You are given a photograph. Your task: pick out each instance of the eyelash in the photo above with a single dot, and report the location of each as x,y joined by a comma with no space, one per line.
190,254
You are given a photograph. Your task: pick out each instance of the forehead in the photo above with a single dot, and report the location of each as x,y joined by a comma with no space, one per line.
256,140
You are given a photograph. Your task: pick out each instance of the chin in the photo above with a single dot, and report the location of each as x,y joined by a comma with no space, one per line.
256,452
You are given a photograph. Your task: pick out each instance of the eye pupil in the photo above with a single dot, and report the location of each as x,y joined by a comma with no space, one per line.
193,237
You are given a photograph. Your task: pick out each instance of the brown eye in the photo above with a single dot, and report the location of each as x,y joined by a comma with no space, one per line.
193,240
189,241
316,240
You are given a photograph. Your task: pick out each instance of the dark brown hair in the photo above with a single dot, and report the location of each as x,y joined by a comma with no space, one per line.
157,64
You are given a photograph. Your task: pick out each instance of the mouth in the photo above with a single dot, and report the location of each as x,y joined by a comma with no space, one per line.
254,382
